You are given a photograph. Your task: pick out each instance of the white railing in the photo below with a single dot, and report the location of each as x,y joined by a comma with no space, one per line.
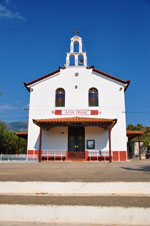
97,154
54,154
20,157
9,157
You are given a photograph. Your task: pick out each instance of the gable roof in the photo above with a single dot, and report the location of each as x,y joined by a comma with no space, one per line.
110,76
41,78
93,69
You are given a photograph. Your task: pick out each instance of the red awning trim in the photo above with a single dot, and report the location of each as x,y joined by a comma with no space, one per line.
133,133
75,120
23,134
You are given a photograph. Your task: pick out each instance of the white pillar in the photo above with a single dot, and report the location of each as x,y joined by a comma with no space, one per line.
76,59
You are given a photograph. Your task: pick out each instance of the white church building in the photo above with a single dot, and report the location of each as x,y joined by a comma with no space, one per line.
77,113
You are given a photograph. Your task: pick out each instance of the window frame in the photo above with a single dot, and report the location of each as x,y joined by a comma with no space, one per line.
59,99
88,146
93,98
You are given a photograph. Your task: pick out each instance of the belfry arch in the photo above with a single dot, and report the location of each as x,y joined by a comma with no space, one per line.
76,46
80,58
72,60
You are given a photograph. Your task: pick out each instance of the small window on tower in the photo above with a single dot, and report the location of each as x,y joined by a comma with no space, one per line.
60,97
93,97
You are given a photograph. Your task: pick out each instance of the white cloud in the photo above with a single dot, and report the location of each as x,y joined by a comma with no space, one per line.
7,107
8,14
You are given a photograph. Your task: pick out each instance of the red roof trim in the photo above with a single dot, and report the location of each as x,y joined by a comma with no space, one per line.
93,69
110,76
41,78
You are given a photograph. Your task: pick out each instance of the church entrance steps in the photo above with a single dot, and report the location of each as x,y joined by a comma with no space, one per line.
76,188
2,223
75,214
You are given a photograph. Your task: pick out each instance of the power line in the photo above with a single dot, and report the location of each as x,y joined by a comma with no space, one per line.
136,112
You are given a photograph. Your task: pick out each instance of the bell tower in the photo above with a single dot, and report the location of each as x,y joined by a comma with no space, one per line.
76,58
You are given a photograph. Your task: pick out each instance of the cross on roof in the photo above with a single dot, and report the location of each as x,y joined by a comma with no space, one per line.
76,32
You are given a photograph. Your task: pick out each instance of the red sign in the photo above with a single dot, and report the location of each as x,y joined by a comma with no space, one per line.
76,112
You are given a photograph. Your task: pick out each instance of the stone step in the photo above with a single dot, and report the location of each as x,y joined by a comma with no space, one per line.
76,188
75,214
14,223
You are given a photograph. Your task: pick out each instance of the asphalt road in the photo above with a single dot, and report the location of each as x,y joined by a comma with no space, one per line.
131,171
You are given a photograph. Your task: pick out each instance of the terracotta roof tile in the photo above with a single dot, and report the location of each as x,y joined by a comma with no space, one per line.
134,132
22,133
74,120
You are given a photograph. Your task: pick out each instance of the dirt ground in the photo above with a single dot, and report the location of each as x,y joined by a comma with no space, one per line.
131,171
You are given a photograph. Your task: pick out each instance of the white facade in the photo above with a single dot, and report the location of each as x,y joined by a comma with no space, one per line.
76,81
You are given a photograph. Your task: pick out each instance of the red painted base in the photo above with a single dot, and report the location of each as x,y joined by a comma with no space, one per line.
119,156
33,154
116,156
85,158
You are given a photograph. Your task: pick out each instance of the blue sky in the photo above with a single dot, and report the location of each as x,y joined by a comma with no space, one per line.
35,36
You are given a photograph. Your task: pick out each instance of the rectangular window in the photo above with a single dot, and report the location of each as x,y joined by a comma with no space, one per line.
90,144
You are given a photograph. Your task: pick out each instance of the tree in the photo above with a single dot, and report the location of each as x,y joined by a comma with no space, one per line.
2,135
9,142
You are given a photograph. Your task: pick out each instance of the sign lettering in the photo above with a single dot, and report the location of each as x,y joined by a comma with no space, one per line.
76,112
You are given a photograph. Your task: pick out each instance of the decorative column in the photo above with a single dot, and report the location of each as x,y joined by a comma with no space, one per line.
40,144
76,59
139,148
67,60
109,134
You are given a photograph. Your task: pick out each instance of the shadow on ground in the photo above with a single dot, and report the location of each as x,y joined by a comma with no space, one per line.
143,168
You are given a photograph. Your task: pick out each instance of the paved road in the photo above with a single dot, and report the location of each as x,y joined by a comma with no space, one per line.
107,201
130,171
